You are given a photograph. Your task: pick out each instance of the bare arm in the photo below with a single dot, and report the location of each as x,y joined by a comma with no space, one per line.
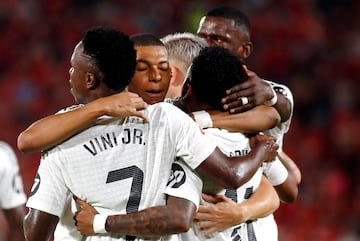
262,203
260,118
175,217
14,218
39,226
288,190
291,165
232,172
258,91
227,213
54,129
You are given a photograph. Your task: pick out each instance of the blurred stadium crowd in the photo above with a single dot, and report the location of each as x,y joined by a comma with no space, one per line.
312,46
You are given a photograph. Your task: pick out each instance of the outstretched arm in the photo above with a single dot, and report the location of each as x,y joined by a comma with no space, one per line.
226,213
174,217
39,226
54,129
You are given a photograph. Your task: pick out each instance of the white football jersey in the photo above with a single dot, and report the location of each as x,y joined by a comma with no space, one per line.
232,144
280,130
119,165
11,185
276,171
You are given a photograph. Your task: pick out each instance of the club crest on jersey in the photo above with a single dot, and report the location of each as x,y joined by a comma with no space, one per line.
177,176
36,184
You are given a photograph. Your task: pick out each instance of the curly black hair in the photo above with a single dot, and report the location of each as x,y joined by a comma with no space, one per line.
113,53
214,71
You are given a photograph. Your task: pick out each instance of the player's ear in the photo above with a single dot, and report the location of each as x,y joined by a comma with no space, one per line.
177,77
91,80
245,50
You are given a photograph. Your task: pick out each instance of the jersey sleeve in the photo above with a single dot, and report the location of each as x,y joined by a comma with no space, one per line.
49,192
192,145
285,91
275,172
184,183
11,185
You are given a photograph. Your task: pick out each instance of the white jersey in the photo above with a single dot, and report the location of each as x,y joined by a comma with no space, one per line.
232,144
11,185
275,171
266,228
119,165
280,130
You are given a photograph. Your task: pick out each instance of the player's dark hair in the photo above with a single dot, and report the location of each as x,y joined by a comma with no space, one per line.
146,39
214,71
231,13
114,55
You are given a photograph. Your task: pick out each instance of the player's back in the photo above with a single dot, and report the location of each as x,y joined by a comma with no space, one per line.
121,165
232,144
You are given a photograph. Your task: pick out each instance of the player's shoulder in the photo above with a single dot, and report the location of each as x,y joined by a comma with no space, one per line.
281,88
165,107
167,112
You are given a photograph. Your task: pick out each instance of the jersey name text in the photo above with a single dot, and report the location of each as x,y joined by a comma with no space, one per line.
109,140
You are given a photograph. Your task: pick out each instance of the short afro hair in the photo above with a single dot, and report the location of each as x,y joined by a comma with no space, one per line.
240,18
214,71
113,53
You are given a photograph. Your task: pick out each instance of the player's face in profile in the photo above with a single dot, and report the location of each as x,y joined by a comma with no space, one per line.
152,74
80,65
224,33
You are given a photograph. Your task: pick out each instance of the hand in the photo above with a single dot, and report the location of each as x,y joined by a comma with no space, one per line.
121,105
254,88
217,217
84,218
266,144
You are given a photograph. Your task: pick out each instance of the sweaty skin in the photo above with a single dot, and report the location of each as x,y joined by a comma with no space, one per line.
226,33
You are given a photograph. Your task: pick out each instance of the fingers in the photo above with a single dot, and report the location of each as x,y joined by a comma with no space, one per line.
204,213
213,198
240,87
139,103
86,207
144,117
139,114
236,95
206,227
208,231
82,203
203,224
75,217
238,106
